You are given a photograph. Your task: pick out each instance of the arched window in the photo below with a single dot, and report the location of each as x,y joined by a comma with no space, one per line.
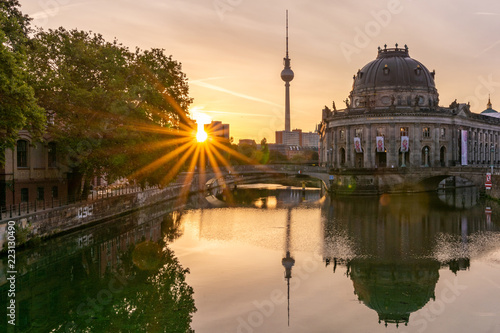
442,156
22,154
342,156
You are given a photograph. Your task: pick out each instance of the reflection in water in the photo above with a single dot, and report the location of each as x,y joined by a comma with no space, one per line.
130,282
463,198
270,196
288,261
123,276
393,249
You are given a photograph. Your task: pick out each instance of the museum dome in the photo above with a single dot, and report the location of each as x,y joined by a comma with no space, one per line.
394,78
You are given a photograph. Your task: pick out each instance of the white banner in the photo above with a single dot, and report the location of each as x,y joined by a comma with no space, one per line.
404,144
357,145
464,147
380,144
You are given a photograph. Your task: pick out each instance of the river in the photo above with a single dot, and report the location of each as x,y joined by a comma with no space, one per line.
270,258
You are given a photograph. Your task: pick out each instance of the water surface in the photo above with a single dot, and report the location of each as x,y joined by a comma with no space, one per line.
272,259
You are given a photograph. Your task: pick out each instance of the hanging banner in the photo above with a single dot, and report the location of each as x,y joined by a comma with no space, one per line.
380,144
357,145
464,147
487,183
404,144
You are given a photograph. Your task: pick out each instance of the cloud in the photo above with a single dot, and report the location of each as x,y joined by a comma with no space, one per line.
240,113
203,84
485,13
488,48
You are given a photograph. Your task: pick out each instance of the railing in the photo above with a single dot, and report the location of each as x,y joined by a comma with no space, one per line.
30,207
26,208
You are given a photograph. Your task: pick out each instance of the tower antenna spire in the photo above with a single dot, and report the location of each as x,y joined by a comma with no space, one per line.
287,33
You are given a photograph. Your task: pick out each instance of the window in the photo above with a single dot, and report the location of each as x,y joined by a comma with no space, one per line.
443,133
55,192
359,133
40,193
50,117
380,131
22,154
403,131
426,132
24,194
52,156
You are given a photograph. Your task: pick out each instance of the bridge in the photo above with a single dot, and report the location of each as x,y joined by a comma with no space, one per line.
376,180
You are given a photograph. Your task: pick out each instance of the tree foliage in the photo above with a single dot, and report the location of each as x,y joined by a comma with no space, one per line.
18,107
115,111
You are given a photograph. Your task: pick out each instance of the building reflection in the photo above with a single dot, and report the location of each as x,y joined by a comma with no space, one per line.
393,249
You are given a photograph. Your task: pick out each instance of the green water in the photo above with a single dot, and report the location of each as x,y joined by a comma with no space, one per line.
270,259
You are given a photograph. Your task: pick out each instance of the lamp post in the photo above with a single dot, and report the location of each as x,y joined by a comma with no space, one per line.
492,153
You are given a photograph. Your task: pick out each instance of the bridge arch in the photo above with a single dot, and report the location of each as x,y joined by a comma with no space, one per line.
432,183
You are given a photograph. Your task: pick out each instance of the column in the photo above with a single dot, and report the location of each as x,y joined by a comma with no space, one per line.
392,142
368,156
348,148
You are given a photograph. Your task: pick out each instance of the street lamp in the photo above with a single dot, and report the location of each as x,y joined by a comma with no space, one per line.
492,153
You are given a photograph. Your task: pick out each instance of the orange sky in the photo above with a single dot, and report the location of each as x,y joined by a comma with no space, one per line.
232,50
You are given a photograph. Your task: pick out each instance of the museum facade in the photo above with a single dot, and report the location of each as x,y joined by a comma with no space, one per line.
393,119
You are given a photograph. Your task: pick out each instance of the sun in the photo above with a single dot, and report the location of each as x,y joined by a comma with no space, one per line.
201,135
201,119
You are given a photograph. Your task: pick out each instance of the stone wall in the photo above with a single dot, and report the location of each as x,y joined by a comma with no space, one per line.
49,222
495,188
62,219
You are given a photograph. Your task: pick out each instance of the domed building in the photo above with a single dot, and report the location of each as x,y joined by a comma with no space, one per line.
490,111
393,119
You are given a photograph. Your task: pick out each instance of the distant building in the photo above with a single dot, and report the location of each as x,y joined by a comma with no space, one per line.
218,129
310,140
292,138
247,142
277,147
298,138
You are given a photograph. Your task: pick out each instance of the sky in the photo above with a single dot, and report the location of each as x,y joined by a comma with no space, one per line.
232,50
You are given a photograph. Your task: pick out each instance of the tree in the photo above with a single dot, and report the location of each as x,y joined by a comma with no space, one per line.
18,107
114,109
264,149
250,151
277,157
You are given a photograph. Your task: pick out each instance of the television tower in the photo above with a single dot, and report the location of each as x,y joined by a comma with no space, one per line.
287,76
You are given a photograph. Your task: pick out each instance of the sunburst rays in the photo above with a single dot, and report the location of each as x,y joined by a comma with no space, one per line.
199,155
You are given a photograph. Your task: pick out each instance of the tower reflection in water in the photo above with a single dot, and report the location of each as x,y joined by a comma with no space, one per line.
393,249
288,261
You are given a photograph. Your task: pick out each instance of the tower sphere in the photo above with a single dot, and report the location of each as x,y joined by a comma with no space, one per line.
287,75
